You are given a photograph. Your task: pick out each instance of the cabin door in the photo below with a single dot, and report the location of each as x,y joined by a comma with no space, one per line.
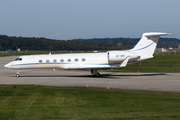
31,62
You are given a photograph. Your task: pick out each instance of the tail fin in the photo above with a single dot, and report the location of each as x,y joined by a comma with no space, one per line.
147,44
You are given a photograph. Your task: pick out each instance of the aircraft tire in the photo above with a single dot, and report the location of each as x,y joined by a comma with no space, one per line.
17,75
98,74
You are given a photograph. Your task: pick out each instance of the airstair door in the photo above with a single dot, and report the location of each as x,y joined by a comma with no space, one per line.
31,62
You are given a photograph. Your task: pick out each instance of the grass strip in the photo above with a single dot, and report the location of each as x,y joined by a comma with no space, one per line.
48,102
162,62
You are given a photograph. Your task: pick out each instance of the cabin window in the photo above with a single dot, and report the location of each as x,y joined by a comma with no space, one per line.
76,60
47,60
122,55
54,60
69,60
83,59
62,60
117,55
40,61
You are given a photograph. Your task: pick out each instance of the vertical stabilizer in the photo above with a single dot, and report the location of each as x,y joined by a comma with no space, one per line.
147,44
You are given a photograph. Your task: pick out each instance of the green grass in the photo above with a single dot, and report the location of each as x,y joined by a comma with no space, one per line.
43,102
162,62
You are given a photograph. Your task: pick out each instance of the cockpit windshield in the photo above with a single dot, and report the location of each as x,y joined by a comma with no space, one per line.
18,59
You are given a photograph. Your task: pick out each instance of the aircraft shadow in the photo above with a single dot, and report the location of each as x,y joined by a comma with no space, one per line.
102,75
153,74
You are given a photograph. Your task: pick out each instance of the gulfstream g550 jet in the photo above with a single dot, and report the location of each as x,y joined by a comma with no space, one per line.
143,50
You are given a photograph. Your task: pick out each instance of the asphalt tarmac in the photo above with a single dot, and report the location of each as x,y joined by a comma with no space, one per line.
163,82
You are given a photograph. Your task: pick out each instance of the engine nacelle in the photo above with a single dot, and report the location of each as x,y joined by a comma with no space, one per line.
118,56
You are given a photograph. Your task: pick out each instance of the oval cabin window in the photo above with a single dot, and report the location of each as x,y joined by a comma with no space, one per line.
69,60
40,61
76,60
83,59
62,60
54,60
47,61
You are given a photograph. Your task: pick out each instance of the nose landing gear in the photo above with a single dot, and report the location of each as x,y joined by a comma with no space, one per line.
18,73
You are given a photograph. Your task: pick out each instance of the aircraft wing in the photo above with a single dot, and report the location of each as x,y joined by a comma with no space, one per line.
124,63
83,68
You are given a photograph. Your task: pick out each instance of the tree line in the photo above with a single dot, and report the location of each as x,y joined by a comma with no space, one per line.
32,43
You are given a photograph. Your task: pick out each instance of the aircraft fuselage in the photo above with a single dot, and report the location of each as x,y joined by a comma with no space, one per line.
110,59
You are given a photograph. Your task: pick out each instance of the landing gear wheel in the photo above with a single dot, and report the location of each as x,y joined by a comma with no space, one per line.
97,75
17,75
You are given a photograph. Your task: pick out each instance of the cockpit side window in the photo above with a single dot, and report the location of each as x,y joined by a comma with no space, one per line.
18,59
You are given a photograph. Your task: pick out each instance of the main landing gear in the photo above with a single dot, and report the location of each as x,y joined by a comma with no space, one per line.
18,73
95,72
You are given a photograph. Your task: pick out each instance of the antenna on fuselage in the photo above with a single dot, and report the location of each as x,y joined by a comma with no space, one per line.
50,53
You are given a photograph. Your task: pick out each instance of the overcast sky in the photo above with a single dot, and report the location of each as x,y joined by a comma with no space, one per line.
72,19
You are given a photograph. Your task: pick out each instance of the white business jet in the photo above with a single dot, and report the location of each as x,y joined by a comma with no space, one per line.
143,50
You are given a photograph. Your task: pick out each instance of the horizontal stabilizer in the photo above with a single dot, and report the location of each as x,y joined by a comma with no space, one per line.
151,34
124,63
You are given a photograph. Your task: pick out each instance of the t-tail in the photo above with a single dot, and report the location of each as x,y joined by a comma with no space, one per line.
146,46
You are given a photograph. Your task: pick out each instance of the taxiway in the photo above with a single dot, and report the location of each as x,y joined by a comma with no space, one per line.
163,82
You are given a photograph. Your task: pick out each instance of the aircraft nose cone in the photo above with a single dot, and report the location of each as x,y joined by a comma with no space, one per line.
6,65
9,65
